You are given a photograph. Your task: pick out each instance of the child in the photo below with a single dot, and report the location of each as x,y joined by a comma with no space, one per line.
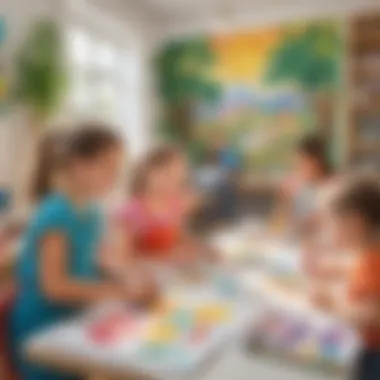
156,218
313,173
312,179
57,272
356,226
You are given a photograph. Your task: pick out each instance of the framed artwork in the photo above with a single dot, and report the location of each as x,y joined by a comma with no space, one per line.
258,89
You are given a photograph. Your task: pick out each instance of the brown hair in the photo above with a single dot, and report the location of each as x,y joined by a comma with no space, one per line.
361,196
314,146
57,150
156,159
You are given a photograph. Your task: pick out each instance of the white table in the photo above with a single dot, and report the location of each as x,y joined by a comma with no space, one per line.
68,347
278,255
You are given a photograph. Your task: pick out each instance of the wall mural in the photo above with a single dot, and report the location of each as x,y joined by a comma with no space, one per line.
259,89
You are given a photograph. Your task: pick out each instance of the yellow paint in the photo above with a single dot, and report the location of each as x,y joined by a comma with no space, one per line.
162,332
213,314
242,57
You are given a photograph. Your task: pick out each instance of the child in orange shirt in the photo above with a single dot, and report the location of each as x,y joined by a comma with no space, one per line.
356,225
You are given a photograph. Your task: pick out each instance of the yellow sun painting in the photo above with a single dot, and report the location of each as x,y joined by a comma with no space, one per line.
242,57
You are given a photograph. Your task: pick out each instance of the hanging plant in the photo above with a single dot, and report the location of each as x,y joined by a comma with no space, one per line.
40,73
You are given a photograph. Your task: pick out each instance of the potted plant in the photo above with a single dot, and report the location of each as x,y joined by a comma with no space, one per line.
40,74
39,84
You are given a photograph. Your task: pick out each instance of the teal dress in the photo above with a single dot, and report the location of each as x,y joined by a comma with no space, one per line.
33,311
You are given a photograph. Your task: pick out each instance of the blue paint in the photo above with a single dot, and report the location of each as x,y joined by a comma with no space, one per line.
182,319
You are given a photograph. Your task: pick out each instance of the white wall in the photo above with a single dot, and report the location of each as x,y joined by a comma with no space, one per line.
14,136
20,14
15,165
265,14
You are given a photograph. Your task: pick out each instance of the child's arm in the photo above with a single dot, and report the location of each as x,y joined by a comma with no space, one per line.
116,255
282,211
362,313
189,204
60,287
359,313
322,265
193,250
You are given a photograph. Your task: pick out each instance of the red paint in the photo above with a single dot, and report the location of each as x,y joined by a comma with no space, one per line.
199,334
111,328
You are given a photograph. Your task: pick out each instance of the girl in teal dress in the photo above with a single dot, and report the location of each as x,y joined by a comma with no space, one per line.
57,272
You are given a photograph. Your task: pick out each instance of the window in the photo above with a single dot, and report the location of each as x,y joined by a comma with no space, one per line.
106,83
97,77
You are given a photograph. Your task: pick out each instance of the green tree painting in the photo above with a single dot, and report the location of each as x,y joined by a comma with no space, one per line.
183,72
309,58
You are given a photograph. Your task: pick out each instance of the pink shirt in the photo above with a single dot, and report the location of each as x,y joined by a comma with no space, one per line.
154,235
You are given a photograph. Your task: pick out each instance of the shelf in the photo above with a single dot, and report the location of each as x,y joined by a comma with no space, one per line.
364,105
367,147
367,101
366,23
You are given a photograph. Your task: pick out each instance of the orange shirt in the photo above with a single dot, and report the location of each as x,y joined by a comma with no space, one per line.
365,283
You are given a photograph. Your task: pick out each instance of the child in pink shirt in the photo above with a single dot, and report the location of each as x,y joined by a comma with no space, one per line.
155,220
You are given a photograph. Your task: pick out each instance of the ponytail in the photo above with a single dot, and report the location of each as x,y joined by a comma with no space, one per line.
45,164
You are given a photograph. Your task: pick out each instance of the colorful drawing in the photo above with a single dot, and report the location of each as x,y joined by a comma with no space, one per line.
258,89
177,332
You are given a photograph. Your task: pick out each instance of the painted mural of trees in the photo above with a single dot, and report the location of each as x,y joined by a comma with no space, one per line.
183,73
310,58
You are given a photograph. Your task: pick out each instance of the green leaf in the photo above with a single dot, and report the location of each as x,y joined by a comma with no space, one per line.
40,74
309,58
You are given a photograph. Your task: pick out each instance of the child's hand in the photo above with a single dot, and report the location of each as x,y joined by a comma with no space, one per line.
364,313
141,287
322,299
146,294
212,255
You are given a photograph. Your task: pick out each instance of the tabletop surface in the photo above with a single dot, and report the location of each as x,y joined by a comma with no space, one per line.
177,340
159,352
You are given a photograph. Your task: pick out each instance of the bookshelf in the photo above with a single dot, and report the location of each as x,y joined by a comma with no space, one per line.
364,102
